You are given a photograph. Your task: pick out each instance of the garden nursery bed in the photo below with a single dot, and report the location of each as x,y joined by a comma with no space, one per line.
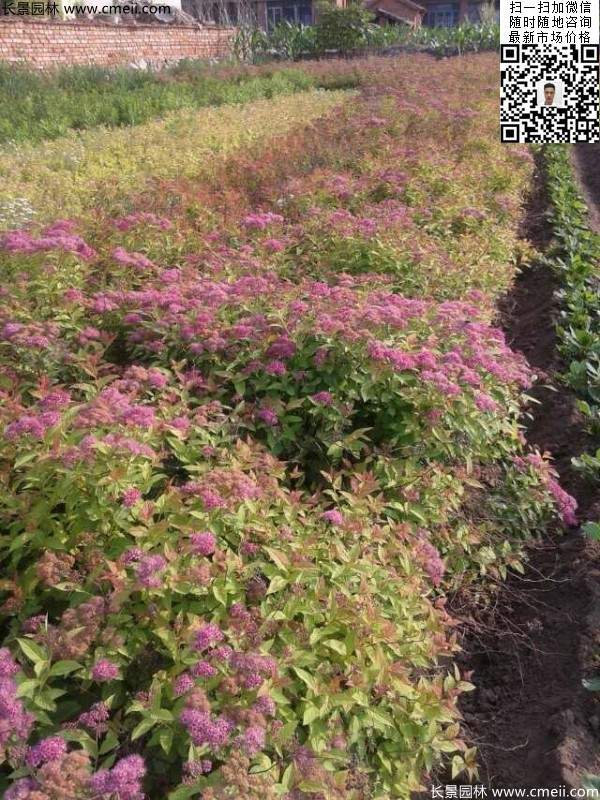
294,435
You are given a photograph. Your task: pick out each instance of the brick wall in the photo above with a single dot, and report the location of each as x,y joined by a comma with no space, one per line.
44,44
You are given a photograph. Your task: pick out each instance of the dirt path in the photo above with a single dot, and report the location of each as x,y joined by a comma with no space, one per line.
533,723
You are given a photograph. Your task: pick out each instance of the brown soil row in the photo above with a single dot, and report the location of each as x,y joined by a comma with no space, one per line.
530,717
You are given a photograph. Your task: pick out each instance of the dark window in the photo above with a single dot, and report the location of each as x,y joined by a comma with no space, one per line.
473,14
274,15
442,15
298,11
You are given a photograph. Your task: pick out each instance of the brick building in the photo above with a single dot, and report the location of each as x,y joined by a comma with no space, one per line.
440,14
433,13
396,12
265,13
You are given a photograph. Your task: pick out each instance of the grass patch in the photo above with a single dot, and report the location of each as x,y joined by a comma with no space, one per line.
38,106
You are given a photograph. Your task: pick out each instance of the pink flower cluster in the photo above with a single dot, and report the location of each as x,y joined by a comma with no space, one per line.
252,668
268,416
204,543
58,236
111,405
431,560
34,425
203,669
136,260
123,781
252,741
235,487
207,636
148,571
15,722
333,516
131,497
104,670
140,217
183,684
95,719
204,728
323,398
261,220
51,749
32,336
566,504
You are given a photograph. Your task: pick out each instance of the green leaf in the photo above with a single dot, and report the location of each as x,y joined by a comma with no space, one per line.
24,458
336,645
64,668
277,584
165,737
311,713
27,688
286,778
288,730
82,738
447,747
278,557
592,530
183,792
220,594
40,667
44,701
142,728
306,677
360,698
385,761
379,719
458,766
311,786
162,715
109,743
33,650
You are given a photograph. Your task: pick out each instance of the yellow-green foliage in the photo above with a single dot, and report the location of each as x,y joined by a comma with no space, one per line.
77,173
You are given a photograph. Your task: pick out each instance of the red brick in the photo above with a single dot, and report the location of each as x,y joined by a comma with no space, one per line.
44,44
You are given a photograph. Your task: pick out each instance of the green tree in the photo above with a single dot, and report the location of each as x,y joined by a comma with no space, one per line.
343,29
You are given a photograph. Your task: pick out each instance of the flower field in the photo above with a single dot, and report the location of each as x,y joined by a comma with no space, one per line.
77,173
258,423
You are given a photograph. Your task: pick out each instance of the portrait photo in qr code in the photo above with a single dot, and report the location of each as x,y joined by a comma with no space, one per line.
549,93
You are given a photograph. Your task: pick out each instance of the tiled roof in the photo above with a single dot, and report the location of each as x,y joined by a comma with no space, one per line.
373,5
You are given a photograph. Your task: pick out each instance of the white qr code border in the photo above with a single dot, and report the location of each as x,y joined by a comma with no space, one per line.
523,119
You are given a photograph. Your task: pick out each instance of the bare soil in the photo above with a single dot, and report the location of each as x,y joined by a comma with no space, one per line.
533,722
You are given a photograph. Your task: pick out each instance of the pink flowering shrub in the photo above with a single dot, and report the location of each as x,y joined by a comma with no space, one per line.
249,439
208,639
212,611
356,368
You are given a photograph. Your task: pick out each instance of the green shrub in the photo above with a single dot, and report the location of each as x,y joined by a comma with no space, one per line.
342,29
40,107
100,543
575,260
351,30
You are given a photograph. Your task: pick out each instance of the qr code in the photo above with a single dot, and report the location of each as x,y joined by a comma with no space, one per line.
549,93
